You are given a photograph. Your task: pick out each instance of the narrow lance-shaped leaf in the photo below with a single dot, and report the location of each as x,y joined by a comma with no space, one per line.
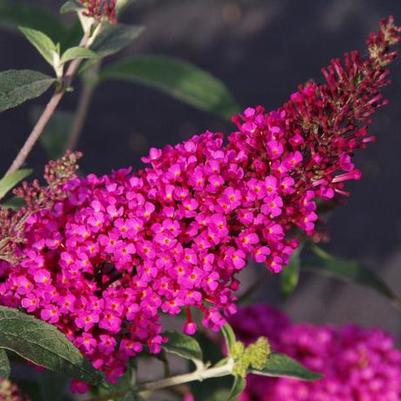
4,364
229,336
184,346
42,344
280,365
177,78
350,271
8,182
111,40
18,86
237,388
43,44
29,14
77,53
114,38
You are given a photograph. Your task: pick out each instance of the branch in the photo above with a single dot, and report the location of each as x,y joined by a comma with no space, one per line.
66,81
199,374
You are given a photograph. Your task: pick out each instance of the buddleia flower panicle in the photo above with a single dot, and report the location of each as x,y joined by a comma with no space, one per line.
356,363
104,258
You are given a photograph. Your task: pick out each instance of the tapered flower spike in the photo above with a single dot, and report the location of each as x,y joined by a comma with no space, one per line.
103,258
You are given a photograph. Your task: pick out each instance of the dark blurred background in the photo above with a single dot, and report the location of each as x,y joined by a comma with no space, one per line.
261,49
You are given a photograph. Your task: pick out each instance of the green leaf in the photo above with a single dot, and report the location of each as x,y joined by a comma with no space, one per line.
114,38
290,275
229,337
4,365
18,86
43,44
350,271
8,182
42,344
177,78
237,388
55,135
280,365
70,6
16,13
184,346
77,52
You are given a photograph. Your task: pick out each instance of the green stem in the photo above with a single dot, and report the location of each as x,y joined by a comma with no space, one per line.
200,374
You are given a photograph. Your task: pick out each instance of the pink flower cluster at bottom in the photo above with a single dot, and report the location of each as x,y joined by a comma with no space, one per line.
358,364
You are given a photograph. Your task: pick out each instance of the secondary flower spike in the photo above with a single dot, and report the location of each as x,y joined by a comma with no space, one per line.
356,363
102,258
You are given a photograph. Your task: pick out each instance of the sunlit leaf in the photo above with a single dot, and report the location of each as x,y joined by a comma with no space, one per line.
8,182
18,86
76,53
42,344
280,365
177,78
184,346
43,44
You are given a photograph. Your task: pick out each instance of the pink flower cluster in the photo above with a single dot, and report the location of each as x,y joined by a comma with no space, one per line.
104,261
357,364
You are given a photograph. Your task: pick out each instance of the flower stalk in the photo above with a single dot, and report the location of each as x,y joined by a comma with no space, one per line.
201,373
